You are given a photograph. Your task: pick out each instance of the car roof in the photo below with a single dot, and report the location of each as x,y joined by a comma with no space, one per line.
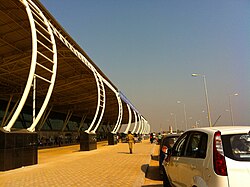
223,129
172,135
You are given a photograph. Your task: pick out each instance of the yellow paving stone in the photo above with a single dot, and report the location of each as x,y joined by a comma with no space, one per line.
67,166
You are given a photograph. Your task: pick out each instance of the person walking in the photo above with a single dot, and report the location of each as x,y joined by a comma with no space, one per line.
151,137
131,141
159,139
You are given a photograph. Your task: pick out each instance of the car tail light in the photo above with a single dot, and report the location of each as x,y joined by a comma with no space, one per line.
220,167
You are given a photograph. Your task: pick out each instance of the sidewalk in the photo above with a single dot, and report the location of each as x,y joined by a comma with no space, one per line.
67,166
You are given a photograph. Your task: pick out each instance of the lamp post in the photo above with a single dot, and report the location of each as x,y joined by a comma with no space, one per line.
206,95
175,123
231,108
185,113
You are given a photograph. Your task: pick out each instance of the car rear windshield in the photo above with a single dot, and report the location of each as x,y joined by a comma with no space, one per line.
237,146
169,141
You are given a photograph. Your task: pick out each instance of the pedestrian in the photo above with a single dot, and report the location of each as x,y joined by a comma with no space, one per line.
60,140
159,138
151,137
131,141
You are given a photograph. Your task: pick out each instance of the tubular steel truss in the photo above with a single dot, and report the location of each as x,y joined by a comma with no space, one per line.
120,113
100,104
133,131
129,119
44,56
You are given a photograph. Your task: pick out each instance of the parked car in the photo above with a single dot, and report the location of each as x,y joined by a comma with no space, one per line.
167,141
212,156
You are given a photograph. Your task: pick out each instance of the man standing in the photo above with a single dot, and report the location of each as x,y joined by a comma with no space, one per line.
131,141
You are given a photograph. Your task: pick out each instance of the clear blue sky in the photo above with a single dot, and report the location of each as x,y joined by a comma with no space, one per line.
150,48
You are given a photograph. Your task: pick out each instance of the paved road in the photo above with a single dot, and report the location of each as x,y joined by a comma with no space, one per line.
67,166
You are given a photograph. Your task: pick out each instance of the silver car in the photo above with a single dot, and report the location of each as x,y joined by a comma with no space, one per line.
212,156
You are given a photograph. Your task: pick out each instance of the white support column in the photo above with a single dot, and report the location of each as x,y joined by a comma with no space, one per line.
129,120
119,125
140,123
143,127
120,113
34,99
102,100
34,14
101,103
32,69
133,131
146,127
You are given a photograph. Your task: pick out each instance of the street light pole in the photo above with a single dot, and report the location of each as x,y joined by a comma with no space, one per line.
231,108
206,96
175,123
185,113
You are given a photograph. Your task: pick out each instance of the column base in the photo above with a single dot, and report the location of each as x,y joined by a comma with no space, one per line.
87,141
112,139
18,148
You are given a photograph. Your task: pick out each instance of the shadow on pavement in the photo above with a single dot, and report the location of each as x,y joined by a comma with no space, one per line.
154,157
154,185
153,173
123,152
153,177
144,168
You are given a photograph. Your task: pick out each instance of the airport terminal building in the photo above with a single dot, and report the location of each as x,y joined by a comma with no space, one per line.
51,90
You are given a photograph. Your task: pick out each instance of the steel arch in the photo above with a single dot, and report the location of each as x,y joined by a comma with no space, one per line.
39,27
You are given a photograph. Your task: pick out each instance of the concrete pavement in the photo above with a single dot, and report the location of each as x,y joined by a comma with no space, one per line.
67,166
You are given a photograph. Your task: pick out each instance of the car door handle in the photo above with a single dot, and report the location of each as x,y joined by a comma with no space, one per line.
193,166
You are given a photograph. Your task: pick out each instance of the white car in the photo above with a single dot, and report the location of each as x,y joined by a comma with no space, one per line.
212,156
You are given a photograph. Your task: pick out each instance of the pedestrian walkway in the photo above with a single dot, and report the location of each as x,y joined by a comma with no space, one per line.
67,166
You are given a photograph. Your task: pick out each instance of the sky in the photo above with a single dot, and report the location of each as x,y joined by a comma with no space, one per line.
150,48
